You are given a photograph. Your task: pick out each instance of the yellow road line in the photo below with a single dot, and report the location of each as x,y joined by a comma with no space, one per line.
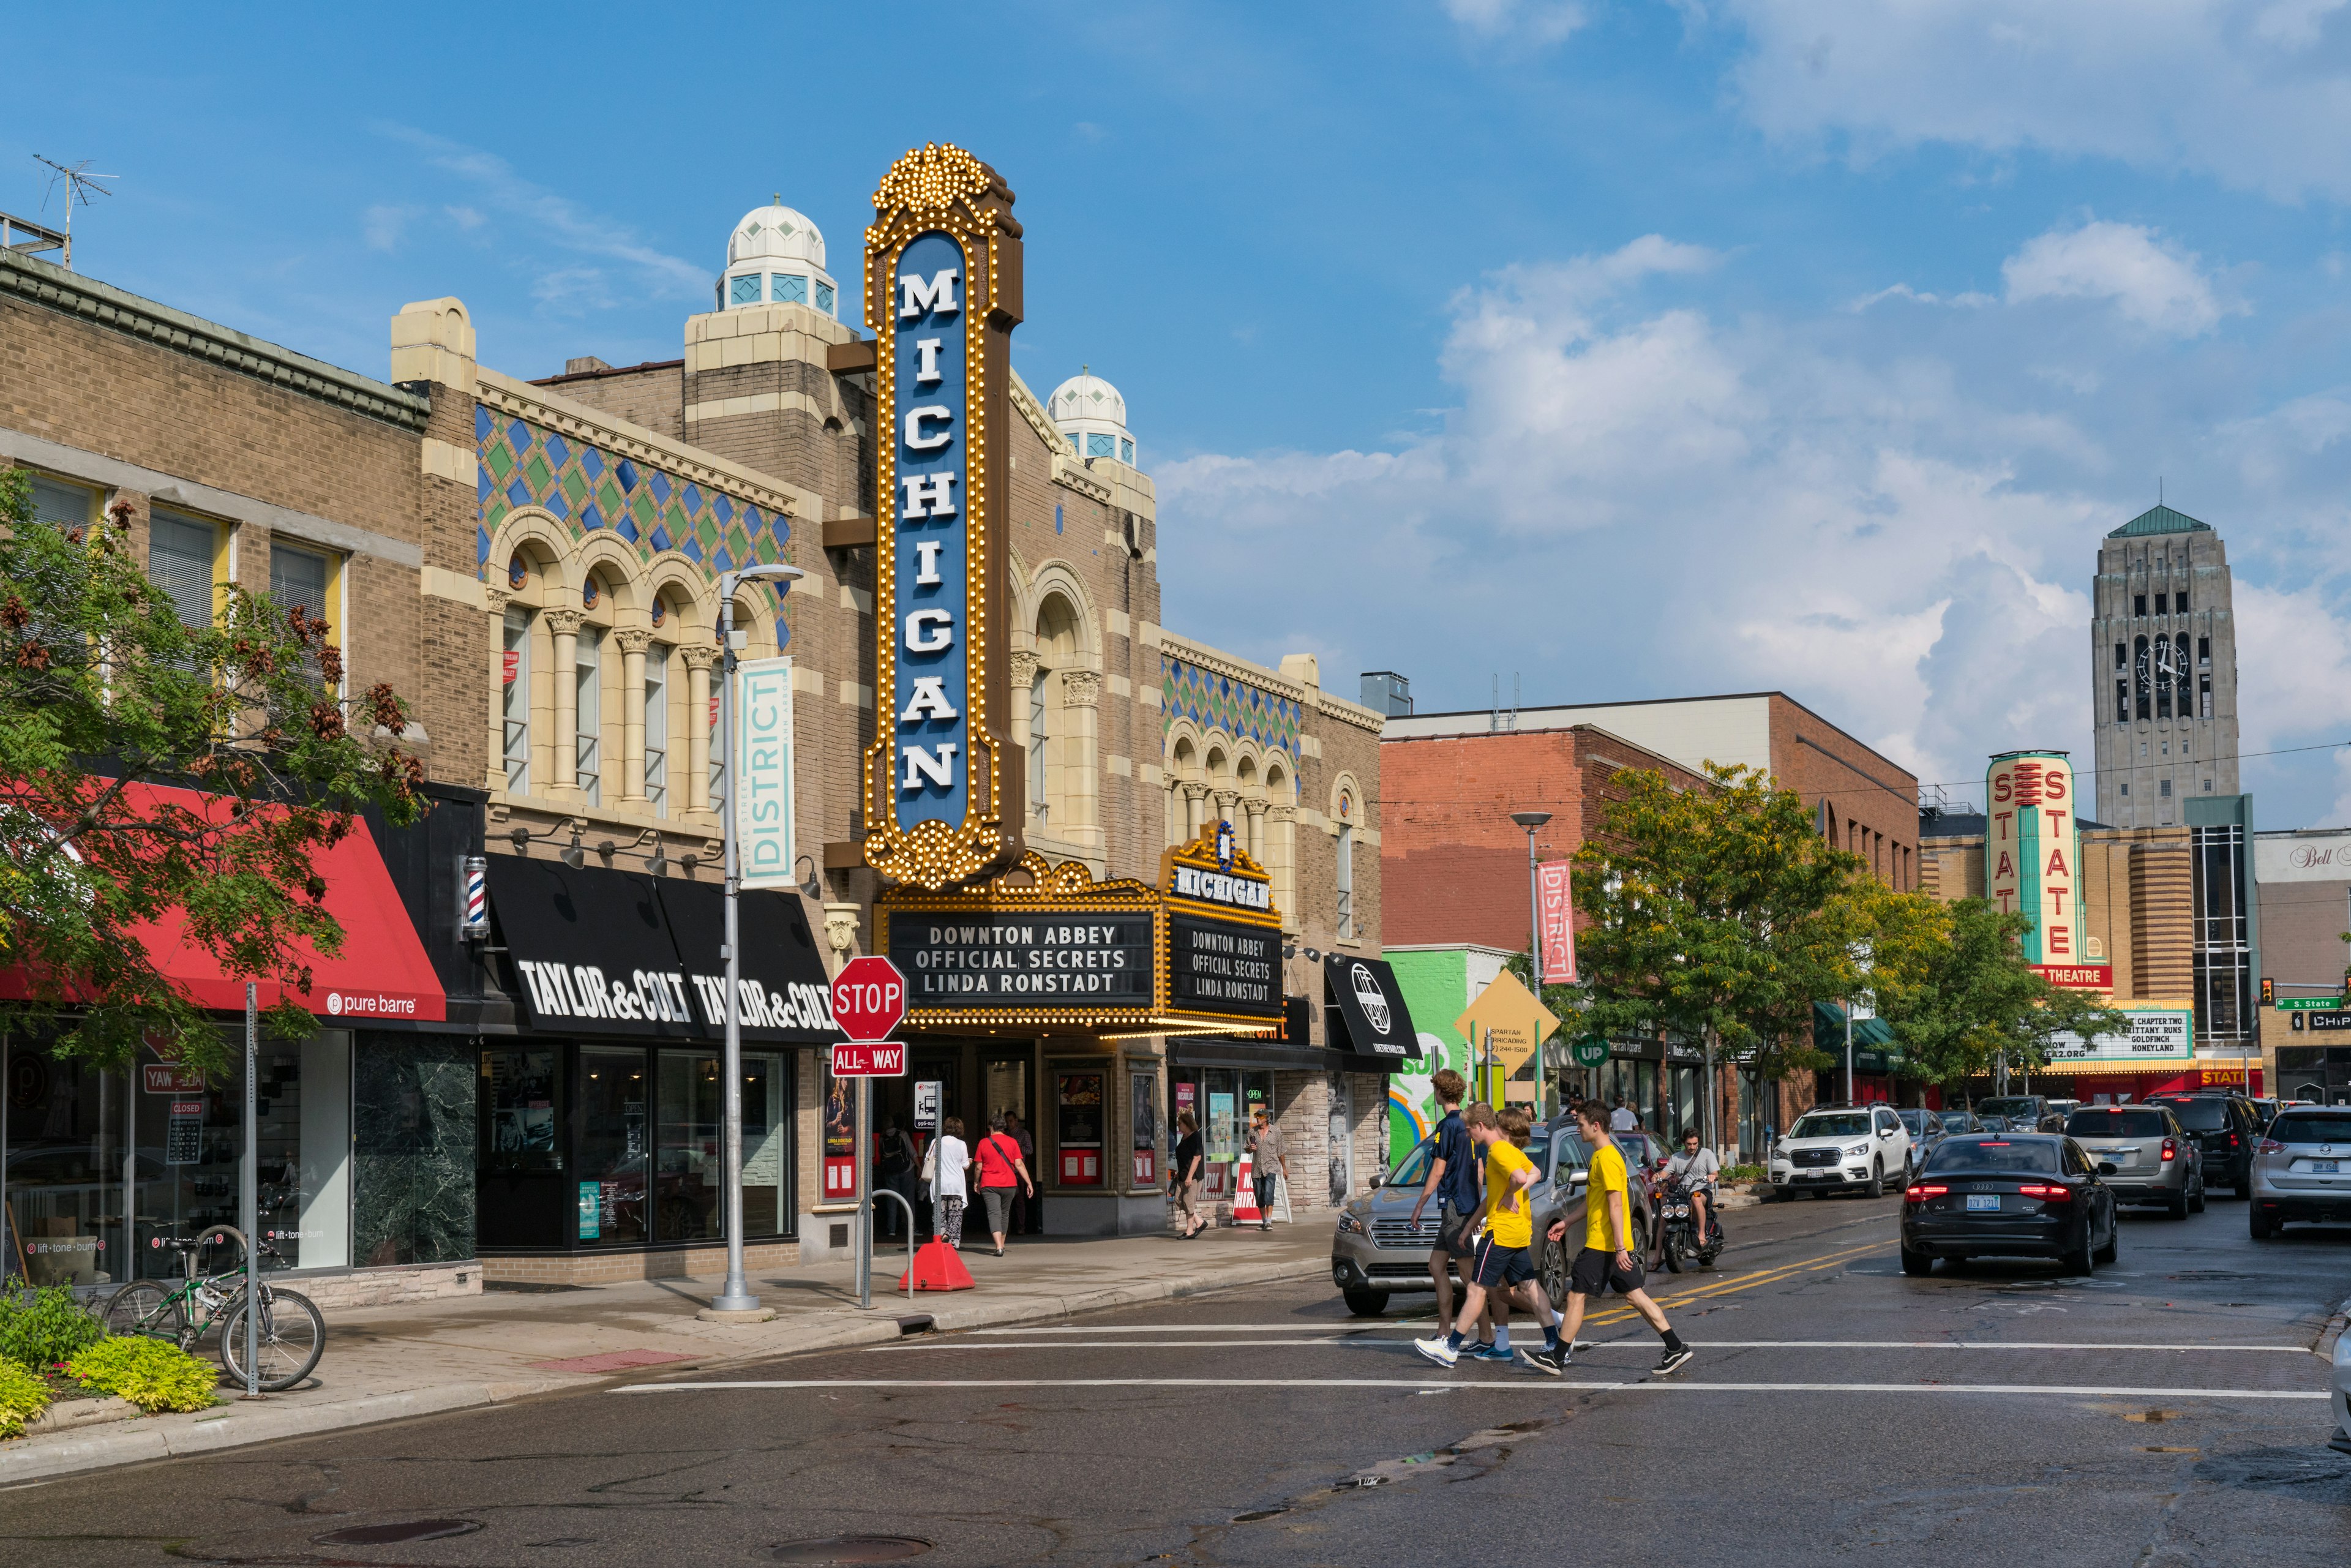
1737,1283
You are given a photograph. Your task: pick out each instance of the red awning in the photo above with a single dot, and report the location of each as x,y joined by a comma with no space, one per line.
382,972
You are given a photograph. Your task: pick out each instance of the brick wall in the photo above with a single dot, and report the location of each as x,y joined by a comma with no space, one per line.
652,395
1872,802
1455,865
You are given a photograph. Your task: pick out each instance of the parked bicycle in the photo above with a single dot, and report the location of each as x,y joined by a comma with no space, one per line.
291,1335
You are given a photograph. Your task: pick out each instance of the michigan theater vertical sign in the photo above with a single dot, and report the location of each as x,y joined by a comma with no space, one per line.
2032,848
943,286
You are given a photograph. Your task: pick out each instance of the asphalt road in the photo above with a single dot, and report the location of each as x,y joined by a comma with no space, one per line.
2165,1412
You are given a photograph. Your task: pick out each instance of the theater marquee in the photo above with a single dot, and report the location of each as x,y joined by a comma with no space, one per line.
942,292
1047,946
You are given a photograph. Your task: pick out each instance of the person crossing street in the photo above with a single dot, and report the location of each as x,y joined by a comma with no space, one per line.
1503,1261
1606,1261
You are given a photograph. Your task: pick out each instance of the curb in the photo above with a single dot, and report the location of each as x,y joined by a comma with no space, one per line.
35,1459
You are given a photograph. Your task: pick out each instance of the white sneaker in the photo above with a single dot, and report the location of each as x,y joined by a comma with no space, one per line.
1437,1351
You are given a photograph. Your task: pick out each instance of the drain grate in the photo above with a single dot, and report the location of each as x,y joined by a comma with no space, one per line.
851,1549
396,1534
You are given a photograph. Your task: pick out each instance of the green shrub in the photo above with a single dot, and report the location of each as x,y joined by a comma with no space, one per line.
1743,1173
23,1396
41,1328
150,1372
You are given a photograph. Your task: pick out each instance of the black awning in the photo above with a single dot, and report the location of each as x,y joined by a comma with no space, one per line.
1368,1016
1228,1050
786,997
599,952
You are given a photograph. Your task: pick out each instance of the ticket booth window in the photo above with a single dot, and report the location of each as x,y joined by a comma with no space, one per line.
1080,1110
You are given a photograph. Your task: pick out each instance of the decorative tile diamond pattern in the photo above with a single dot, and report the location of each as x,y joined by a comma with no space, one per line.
1216,702
591,490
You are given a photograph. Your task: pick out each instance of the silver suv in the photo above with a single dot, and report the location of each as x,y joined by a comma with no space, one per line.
2154,1160
2301,1169
1377,1251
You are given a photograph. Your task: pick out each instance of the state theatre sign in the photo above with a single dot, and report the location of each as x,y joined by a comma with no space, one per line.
2031,853
1047,946
942,292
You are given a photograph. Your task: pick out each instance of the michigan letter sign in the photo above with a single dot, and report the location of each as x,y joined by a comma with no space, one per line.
942,288
2033,849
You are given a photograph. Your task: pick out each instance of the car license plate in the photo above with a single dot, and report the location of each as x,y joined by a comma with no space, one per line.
2325,1168
1982,1200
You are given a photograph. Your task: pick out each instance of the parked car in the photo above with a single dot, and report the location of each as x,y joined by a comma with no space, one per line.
1842,1148
2302,1170
2154,1158
2024,1112
2224,1128
1926,1129
2266,1110
1376,1250
2029,1194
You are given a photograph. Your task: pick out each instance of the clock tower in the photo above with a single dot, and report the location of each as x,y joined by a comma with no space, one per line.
2163,669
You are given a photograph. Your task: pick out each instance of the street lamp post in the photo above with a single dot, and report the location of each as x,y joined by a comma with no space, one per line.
1530,821
736,1296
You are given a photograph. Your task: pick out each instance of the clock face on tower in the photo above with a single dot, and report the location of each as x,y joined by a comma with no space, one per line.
2163,659
2144,665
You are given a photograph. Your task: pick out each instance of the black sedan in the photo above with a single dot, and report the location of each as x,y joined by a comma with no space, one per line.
2025,1194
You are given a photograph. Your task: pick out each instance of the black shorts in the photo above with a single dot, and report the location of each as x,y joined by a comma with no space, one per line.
1499,1266
1596,1272
1453,1230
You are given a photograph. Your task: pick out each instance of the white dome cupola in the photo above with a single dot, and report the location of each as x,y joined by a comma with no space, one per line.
776,256
1092,415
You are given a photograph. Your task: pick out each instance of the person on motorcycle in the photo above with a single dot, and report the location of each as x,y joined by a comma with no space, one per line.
1697,1168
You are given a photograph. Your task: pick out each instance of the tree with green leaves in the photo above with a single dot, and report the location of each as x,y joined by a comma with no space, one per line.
105,688
1975,1003
1718,914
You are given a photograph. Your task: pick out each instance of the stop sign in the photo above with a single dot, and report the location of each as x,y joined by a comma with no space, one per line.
869,997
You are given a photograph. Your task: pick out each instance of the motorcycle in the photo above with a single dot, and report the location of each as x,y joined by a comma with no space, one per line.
1677,1238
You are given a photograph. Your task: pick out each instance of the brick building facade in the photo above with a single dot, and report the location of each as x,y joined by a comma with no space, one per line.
533,565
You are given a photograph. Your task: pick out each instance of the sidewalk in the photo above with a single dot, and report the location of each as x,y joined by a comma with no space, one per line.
383,1364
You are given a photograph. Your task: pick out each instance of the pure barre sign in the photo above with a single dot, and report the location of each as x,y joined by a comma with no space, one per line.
943,273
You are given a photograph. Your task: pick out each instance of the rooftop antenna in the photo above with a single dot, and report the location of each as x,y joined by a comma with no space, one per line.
81,184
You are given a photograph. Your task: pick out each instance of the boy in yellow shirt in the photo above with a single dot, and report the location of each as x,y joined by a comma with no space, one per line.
1503,1261
1606,1261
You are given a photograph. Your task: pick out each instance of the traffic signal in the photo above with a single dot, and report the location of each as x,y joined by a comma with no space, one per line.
2269,992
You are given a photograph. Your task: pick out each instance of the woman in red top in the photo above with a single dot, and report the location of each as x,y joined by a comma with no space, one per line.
1000,1168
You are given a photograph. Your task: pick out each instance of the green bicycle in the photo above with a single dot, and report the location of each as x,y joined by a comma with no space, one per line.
290,1335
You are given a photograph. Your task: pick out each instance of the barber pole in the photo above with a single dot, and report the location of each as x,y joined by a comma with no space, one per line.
474,908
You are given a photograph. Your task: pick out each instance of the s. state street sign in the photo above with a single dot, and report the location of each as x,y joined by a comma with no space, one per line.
869,1059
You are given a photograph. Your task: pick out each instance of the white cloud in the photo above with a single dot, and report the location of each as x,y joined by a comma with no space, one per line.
382,226
539,220
1534,21
2153,284
2256,93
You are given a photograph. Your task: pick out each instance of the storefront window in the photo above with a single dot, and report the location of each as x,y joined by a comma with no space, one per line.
610,1172
691,1168
518,1096
766,1144
192,1154
62,1131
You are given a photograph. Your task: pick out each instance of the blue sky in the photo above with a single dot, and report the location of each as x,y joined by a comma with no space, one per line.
1641,349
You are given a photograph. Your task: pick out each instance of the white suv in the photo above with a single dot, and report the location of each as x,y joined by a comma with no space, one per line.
1842,1148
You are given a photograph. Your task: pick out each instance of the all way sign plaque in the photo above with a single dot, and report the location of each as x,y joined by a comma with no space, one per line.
869,1059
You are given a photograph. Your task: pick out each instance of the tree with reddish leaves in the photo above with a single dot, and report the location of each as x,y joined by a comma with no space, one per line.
104,691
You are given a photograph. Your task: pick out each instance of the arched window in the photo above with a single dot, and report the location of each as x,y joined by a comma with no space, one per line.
1055,789
514,700
657,727
2179,671
2142,667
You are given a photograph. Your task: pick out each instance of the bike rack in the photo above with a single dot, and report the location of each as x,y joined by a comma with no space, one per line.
900,1200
